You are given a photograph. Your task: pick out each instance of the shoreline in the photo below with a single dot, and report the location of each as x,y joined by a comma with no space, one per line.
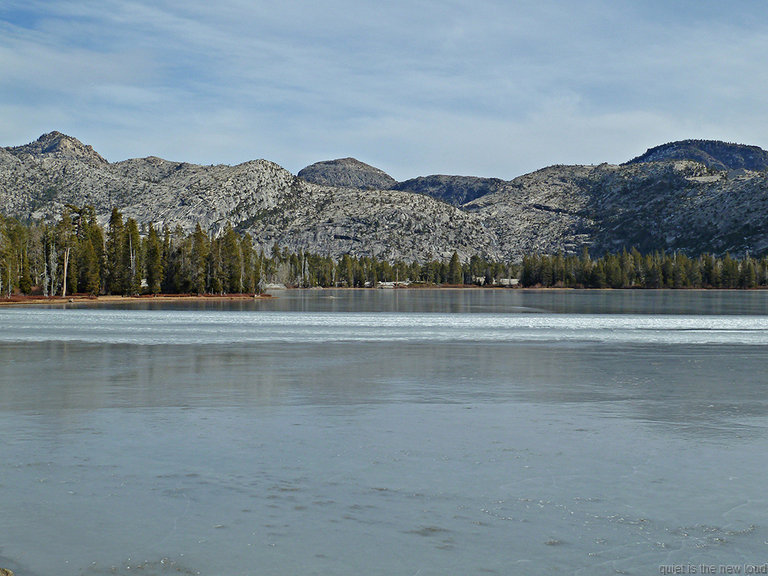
35,300
114,299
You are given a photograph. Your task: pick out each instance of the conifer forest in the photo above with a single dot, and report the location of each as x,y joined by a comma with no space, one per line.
76,255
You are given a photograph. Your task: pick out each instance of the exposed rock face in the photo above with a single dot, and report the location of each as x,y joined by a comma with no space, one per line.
681,206
257,197
456,190
387,224
149,189
545,211
61,146
347,173
711,153
656,205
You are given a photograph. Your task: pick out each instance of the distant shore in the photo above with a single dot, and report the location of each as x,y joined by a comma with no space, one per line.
111,299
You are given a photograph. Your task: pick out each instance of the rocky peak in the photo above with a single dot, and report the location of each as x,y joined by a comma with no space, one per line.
663,201
712,153
58,145
347,173
455,190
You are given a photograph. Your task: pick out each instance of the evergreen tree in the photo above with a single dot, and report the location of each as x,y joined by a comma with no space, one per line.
597,278
455,274
667,271
584,272
747,273
729,272
66,238
132,259
653,275
90,278
199,257
347,270
709,271
247,265
612,269
114,254
6,284
154,260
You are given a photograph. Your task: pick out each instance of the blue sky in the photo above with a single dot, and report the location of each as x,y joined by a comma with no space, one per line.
485,88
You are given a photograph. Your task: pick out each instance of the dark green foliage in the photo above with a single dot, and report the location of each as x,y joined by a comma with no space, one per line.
15,274
634,270
153,250
132,261
114,272
455,274
75,255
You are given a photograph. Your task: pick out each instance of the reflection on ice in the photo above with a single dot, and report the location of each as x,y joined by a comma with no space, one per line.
303,440
106,326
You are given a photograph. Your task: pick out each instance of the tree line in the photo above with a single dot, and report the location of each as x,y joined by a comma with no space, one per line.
77,255
631,269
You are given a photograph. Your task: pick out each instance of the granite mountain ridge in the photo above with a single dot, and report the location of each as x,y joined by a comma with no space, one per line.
661,200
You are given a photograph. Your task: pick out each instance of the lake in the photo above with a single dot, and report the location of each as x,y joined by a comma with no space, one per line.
383,432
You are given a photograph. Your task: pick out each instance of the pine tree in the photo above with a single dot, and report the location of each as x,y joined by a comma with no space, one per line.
114,253
199,260
154,260
6,284
67,238
91,277
347,270
132,260
747,273
729,272
455,274
247,268
584,271
233,276
709,272
597,278
612,268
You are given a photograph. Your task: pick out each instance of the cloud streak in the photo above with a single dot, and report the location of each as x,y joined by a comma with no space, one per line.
489,88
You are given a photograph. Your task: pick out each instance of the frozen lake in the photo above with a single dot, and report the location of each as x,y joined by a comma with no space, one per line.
387,432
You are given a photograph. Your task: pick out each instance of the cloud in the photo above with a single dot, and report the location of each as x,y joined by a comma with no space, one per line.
488,87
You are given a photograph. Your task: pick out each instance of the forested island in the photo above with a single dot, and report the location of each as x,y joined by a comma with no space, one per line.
77,255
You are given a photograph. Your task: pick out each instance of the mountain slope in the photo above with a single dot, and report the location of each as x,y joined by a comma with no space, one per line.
387,224
40,183
712,153
258,197
58,145
456,190
663,206
347,173
652,205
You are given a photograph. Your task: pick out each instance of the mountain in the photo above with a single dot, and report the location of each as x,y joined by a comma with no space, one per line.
456,190
60,146
660,204
712,153
663,205
351,173
347,173
258,197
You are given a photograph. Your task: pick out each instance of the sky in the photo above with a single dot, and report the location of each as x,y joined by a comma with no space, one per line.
482,88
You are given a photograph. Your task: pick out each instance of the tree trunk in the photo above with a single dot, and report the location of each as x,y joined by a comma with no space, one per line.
66,265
